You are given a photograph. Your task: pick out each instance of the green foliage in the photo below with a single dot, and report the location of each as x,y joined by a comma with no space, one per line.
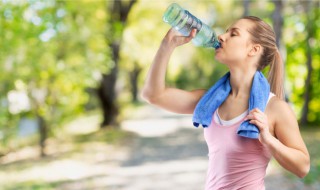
295,40
314,174
193,67
32,185
52,53
112,136
312,140
202,72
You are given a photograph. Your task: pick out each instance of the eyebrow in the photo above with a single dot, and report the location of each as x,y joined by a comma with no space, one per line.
232,29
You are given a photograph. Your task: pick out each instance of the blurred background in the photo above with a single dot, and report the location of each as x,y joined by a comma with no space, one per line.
71,116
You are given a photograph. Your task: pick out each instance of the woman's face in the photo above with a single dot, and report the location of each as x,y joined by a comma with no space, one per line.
235,43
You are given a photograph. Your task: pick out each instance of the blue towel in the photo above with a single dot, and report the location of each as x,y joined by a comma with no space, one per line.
217,94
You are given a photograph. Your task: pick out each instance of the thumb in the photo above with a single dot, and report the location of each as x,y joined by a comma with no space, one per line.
192,34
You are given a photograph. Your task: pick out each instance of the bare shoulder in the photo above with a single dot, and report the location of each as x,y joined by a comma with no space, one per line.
280,109
285,124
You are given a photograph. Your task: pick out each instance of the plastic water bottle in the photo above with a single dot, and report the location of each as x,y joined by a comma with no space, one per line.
183,21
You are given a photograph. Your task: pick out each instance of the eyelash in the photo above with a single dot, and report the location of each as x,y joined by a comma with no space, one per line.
232,34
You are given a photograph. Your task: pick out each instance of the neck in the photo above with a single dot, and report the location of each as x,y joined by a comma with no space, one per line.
241,81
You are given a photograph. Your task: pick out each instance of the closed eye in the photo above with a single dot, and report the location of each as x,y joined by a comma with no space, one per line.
233,31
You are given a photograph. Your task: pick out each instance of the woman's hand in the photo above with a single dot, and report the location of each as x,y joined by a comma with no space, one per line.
175,39
260,119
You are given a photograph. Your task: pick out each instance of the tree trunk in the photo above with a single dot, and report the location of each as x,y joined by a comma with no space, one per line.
43,135
278,20
246,4
106,92
307,86
134,82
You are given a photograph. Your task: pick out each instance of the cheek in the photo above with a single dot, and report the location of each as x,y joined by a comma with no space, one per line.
238,54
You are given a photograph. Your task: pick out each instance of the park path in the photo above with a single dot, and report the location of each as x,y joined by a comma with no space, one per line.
166,152
169,153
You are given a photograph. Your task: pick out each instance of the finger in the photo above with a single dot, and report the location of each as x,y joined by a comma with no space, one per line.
257,123
258,114
257,110
174,31
253,110
253,116
248,117
192,34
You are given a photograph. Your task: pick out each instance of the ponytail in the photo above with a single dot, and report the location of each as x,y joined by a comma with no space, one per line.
276,76
262,33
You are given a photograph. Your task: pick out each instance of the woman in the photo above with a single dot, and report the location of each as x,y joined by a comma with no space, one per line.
236,162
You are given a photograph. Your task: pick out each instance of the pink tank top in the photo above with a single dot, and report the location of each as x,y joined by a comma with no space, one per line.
235,162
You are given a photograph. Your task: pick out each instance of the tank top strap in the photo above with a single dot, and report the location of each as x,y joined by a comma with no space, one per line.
270,96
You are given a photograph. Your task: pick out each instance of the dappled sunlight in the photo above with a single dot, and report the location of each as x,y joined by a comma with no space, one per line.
94,159
59,170
151,121
186,173
72,115
83,125
278,177
166,153
156,127
24,153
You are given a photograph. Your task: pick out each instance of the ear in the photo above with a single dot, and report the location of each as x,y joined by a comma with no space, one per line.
256,49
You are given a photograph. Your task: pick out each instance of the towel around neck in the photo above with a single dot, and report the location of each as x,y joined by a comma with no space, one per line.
219,92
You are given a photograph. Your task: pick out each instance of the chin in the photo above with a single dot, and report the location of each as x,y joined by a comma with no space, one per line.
218,58
222,61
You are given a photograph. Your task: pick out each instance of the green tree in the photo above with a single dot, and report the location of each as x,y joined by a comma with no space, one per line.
50,46
302,42
118,11
311,15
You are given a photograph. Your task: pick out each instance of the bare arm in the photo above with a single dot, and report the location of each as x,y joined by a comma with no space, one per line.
155,91
287,145
289,148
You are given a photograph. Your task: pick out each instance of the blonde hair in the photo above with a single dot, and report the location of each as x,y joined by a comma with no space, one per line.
263,34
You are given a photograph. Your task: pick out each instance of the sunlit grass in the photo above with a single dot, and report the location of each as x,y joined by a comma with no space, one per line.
129,110
71,156
84,157
110,136
31,185
311,136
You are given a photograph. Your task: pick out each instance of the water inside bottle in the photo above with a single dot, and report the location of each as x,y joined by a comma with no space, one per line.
173,14
183,21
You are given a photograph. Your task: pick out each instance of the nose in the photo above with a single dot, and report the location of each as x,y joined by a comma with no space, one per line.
221,37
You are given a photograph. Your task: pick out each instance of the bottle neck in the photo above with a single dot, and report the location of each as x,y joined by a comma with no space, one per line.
214,43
